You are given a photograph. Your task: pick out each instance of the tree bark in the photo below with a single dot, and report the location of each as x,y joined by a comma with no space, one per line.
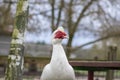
73,26
111,57
52,2
60,12
16,55
69,43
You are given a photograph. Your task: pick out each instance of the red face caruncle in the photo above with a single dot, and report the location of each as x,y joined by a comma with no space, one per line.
60,35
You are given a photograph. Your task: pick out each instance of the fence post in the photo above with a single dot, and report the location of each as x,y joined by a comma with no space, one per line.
112,52
14,68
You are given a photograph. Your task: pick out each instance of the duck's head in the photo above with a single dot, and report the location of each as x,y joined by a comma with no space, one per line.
58,35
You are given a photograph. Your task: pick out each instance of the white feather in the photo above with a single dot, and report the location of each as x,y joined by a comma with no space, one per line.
61,28
58,68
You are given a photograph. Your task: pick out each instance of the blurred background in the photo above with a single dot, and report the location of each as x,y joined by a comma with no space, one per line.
92,26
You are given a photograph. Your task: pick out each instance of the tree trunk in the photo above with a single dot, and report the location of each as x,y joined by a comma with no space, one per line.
111,57
72,26
52,2
16,55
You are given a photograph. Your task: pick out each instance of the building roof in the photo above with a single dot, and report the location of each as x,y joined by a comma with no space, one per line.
31,49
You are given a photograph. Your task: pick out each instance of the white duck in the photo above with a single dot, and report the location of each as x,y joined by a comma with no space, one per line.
58,68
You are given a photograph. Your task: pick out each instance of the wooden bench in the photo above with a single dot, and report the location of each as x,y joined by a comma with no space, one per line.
92,66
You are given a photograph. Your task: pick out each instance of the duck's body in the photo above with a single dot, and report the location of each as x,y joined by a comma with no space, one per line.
58,68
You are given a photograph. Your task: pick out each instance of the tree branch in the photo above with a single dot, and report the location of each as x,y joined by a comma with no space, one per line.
82,14
94,41
48,16
43,12
70,11
72,27
31,2
69,21
53,15
59,13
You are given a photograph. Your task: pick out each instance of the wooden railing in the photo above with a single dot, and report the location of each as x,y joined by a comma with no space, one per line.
92,66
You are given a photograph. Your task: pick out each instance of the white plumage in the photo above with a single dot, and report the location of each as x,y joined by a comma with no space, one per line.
58,68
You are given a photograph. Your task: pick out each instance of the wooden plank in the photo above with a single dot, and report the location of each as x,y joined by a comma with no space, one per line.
97,64
90,75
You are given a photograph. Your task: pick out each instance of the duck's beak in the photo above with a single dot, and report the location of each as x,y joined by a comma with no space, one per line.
66,37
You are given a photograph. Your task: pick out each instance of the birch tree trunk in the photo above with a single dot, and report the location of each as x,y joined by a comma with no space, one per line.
16,55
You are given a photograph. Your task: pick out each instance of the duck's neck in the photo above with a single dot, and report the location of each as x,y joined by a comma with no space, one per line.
58,54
